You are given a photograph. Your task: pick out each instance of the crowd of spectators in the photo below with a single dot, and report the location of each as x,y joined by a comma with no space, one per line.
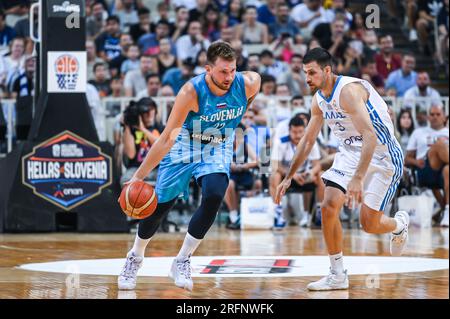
140,50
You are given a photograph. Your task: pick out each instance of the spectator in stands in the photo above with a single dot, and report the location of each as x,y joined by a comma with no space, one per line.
241,60
149,43
405,127
142,27
411,17
267,12
117,89
404,78
369,73
188,4
370,45
115,65
92,59
421,116
96,22
14,62
333,37
308,15
425,23
132,61
387,61
190,44
177,77
200,63
135,80
108,42
254,63
101,81
268,86
22,26
137,140
165,59
211,21
283,152
163,12
181,22
97,110
427,150
241,176
283,23
23,92
251,31
195,14
338,8
295,77
350,63
421,93
234,12
270,65
6,32
127,15
153,86
282,109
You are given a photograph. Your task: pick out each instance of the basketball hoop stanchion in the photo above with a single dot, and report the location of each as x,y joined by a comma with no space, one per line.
62,168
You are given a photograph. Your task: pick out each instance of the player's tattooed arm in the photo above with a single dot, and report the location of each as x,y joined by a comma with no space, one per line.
252,85
185,102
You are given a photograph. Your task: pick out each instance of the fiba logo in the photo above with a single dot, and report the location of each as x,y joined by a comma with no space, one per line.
67,70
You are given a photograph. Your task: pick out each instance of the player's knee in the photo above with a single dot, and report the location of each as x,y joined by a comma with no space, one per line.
369,226
330,208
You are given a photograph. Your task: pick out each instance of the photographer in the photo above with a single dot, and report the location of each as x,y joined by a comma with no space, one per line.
141,130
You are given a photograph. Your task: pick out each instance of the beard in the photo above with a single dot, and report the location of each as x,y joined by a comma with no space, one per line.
220,85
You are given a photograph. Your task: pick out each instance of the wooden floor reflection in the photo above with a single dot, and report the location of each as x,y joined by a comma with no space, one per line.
32,248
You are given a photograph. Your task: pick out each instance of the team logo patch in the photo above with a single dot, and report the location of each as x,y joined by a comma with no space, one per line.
221,105
66,170
67,70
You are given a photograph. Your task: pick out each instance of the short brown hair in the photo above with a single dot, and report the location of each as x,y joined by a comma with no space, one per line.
220,49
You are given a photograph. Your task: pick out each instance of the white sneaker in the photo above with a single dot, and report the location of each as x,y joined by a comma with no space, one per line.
444,221
413,35
398,241
127,278
332,281
305,220
180,272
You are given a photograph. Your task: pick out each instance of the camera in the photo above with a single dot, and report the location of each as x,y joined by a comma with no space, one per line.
136,109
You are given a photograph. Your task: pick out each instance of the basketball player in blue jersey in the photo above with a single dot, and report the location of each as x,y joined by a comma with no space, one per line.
197,141
367,168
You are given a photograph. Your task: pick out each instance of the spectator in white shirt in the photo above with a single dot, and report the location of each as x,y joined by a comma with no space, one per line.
190,44
427,150
134,81
308,15
421,94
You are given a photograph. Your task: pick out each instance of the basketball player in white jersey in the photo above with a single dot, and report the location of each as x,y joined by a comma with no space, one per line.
367,168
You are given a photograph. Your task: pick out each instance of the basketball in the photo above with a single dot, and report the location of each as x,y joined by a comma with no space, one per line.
138,200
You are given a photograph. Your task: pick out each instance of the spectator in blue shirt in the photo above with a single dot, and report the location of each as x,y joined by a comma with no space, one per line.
177,77
108,42
6,33
405,77
266,12
283,24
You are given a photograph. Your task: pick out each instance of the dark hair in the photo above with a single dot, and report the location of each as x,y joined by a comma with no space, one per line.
151,75
113,18
297,55
250,7
296,121
220,49
145,103
266,53
267,78
411,128
408,53
97,2
367,60
319,55
142,11
297,97
96,65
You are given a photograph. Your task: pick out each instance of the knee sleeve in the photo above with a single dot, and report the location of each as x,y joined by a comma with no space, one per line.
148,226
214,187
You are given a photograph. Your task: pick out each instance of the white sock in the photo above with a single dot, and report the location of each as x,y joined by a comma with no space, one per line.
400,226
190,244
337,263
139,246
233,216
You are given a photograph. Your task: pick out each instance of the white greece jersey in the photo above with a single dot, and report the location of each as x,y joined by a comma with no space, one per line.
386,166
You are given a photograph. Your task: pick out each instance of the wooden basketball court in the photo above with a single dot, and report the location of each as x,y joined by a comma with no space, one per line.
20,249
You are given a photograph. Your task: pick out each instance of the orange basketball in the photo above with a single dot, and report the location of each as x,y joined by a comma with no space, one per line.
138,200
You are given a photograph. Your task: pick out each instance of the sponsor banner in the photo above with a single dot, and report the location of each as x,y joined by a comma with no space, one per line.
67,72
66,170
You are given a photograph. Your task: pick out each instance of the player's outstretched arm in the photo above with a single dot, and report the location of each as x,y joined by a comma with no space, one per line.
303,148
185,102
353,101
